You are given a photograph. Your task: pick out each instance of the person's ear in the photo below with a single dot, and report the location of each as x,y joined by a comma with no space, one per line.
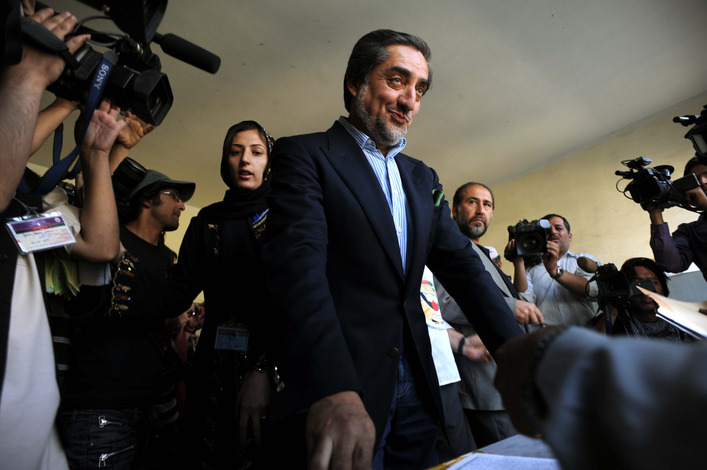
352,86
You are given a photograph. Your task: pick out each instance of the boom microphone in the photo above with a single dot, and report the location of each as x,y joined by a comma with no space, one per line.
587,264
188,52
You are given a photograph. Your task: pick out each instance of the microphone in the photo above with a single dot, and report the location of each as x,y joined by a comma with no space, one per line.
188,52
587,264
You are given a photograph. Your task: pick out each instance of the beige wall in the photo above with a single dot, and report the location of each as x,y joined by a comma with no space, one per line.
582,188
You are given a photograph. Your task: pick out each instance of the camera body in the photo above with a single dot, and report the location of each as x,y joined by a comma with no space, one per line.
652,187
129,73
126,178
135,82
612,283
530,237
616,288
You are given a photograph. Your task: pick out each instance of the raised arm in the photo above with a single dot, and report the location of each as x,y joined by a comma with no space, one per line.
99,239
21,88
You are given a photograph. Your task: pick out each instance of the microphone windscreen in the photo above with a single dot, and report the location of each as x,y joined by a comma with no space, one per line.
188,52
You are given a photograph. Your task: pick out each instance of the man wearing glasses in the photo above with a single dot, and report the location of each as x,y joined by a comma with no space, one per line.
117,356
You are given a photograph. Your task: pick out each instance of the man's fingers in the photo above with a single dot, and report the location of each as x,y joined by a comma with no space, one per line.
42,15
255,423
363,456
77,41
60,24
320,453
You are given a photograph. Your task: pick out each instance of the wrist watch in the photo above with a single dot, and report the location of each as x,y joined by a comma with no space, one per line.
559,274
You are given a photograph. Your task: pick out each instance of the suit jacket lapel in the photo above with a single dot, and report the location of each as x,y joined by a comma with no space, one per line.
492,270
420,209
353,168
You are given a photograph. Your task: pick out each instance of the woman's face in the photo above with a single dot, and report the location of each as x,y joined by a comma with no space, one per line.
248,159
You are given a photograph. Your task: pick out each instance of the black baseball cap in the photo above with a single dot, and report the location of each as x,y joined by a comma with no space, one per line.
154,180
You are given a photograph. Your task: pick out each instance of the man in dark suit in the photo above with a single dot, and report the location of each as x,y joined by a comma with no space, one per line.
352,223
472,209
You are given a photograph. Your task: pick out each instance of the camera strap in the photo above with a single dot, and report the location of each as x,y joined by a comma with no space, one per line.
60,169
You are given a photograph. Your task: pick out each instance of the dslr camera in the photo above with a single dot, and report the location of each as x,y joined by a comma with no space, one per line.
530,237
652,187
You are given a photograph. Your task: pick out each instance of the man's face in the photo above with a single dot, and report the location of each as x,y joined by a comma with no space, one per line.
474,213
167,213
644,303
559,234
386,104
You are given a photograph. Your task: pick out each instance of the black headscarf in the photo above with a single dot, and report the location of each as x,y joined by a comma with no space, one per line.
239,202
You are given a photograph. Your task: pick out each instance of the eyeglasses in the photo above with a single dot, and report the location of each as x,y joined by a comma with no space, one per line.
173,194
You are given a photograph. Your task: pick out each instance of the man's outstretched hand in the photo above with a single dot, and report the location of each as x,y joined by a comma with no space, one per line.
339,433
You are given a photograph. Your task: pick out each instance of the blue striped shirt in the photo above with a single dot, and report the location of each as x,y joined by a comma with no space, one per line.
386,170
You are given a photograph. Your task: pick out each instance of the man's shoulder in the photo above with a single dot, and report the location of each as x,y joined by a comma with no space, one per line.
700,224
576,256
335,132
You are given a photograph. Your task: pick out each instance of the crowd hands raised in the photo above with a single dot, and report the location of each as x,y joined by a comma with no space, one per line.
232,374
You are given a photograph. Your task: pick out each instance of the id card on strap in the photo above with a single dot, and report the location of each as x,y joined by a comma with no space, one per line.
231,338
38,232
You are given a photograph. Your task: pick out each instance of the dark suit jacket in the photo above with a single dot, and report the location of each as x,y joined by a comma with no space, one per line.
335,271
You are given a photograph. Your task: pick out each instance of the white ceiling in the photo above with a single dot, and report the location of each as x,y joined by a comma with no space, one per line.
517,84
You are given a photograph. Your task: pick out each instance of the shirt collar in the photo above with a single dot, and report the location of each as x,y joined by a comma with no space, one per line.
365,142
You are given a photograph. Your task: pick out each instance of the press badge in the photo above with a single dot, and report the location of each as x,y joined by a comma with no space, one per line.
38,232
231,338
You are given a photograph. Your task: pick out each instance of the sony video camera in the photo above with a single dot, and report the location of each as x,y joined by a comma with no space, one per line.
135,82
530,237
651,186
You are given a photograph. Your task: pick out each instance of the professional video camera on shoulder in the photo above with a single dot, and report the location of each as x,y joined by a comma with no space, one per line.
127,71
698,134
530,237
651,186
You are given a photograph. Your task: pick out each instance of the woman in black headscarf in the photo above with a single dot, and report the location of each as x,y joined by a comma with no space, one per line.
231,380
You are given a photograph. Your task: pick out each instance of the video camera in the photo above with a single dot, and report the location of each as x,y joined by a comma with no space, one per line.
530,237
615,288
698,134
651,186
135,81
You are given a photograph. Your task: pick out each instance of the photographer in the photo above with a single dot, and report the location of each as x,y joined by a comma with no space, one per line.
558,285
21,88
636,316
688,243
29,395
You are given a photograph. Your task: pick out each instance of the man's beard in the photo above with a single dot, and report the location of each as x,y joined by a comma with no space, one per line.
382,133
473,231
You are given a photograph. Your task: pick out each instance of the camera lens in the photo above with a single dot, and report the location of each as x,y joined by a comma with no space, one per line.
532,243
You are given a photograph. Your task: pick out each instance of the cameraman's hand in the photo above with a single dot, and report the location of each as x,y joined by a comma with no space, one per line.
551,256
510,251
103,129
133,133
697,198
42,68
129,137
655,214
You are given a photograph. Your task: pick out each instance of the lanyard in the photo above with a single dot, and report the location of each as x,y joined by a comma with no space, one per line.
61,166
